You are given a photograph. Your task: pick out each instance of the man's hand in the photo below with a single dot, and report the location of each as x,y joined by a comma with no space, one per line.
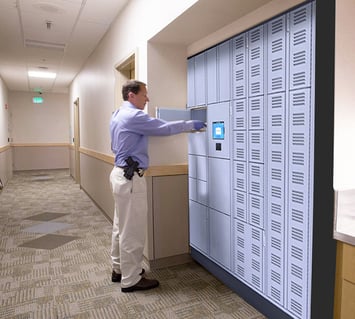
197,125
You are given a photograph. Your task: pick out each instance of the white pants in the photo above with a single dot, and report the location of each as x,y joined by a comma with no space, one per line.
129,225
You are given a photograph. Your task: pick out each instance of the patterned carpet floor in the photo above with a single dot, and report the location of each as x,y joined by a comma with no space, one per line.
55,262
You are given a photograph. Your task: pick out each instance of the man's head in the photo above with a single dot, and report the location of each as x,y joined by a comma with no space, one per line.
136,93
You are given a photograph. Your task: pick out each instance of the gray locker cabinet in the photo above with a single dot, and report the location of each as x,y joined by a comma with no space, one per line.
199,227
220,238
198,143
211,69
219,186
191,99
260,178
224,72
200,79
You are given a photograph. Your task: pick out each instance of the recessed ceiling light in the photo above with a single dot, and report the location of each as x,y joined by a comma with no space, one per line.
42,74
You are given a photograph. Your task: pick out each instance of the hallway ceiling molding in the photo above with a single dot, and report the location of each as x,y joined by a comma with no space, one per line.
56,35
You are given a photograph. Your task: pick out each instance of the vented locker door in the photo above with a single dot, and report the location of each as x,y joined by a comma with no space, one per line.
255,236
299,210
211,59
248,254
240,205
256,113
200,79
240,114
300,47
240,176
276,177
224,71
277,55
256,146
198,224
220,238
191,82
256,211
240,250
256,61
239,80
256,179
240,145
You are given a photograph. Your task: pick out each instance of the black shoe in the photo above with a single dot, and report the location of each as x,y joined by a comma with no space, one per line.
143,284
117,277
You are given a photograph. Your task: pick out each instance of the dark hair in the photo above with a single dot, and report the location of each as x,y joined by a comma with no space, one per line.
133,86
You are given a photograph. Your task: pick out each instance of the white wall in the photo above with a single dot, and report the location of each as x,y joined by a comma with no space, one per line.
39,123
4,114
95,84
344,116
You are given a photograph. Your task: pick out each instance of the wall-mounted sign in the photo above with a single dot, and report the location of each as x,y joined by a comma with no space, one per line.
37,99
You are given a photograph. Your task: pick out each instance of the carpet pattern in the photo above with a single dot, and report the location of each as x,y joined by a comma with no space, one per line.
55,262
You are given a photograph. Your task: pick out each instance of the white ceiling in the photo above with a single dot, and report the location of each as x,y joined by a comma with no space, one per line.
53,35
59,35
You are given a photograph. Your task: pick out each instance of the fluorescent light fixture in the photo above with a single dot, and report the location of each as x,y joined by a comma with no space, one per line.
42,74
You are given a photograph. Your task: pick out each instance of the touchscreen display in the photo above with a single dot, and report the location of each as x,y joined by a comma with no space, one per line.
218,130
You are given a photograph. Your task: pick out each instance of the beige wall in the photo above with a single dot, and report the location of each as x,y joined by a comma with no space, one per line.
5,150
344,117
39,123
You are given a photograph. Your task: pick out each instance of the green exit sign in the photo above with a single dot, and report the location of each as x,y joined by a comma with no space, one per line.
37,99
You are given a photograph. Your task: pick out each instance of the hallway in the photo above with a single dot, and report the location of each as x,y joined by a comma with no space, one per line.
55,262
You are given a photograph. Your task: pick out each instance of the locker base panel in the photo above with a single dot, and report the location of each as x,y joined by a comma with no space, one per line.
267,308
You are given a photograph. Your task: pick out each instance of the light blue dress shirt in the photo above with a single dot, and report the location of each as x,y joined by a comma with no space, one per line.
130,128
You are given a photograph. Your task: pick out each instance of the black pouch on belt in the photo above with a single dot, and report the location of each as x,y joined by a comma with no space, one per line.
131,168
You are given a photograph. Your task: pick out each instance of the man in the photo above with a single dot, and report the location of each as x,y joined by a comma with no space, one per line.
129,129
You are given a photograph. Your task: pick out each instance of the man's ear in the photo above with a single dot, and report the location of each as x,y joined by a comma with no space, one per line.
130,95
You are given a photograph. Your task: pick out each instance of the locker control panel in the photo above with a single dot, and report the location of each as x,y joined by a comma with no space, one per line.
219,129
218,133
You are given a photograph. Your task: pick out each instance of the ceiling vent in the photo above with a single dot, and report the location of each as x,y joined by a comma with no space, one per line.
44,45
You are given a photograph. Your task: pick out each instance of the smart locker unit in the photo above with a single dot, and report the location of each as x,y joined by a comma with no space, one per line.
251,171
